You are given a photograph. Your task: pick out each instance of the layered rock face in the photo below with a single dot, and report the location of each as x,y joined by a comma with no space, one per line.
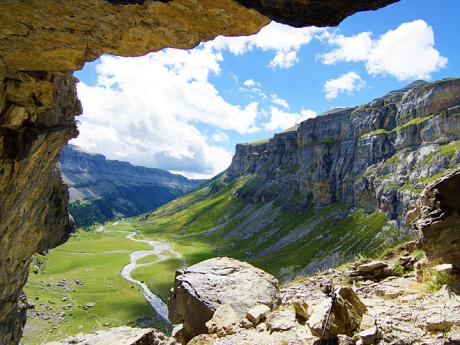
77,31
37,109
101,189
437,219
37,119
377,156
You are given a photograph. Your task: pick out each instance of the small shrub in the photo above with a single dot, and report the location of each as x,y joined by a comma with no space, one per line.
348,281
419,254
362,259
438,280
398,270
388,253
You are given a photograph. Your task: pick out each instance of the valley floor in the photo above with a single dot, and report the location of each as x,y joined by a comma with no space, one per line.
78,288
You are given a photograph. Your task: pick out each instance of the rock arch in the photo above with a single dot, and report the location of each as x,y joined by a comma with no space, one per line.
41,43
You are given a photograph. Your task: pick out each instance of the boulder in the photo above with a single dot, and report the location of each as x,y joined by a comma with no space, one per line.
369,336
372,267
367,322
347,313
375,270
447,268
437,323
281,320
257,313
345,340
200,289
301,309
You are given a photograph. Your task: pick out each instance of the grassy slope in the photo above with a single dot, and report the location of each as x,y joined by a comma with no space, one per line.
239,231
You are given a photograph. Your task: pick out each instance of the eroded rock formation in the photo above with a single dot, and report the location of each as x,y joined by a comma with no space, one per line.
37,119
37,108
436,218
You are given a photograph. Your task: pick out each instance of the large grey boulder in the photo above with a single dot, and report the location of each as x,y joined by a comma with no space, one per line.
200,289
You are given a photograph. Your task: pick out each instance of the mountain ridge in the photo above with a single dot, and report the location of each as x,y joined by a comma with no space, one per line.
101,189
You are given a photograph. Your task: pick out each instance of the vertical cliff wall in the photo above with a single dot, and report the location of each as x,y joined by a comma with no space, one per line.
378,156
40,43
37,112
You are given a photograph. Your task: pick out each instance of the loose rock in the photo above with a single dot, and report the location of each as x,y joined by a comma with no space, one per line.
257,313
347,314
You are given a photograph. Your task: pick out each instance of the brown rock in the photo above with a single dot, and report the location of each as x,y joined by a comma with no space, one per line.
180,334
437,323
257,313
345,340
436,218
224,322
281,320
369,336
302,309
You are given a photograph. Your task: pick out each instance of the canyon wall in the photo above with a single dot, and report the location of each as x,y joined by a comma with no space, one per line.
41,42
378,156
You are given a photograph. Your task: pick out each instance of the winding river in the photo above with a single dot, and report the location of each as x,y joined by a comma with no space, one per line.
163,250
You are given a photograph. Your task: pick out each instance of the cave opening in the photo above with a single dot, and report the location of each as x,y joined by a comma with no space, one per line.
179,114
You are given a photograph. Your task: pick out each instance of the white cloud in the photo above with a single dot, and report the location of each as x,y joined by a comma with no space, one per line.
281,120
406,52
147,110
220,137
249,83
280,101
348,82
350,49
285,40
284,59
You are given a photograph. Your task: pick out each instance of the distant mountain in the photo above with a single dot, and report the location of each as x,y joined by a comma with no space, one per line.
101,189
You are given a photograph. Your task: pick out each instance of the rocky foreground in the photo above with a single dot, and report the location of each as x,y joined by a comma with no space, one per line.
225,301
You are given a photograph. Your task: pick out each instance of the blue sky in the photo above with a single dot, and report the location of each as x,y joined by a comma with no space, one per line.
184,111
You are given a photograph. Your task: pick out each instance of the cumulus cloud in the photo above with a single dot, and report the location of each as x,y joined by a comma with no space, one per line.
406,52
285,40
348,82
281,120
146,110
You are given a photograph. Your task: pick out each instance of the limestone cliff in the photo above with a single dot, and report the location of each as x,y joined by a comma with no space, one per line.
378,156
101,189
37,119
